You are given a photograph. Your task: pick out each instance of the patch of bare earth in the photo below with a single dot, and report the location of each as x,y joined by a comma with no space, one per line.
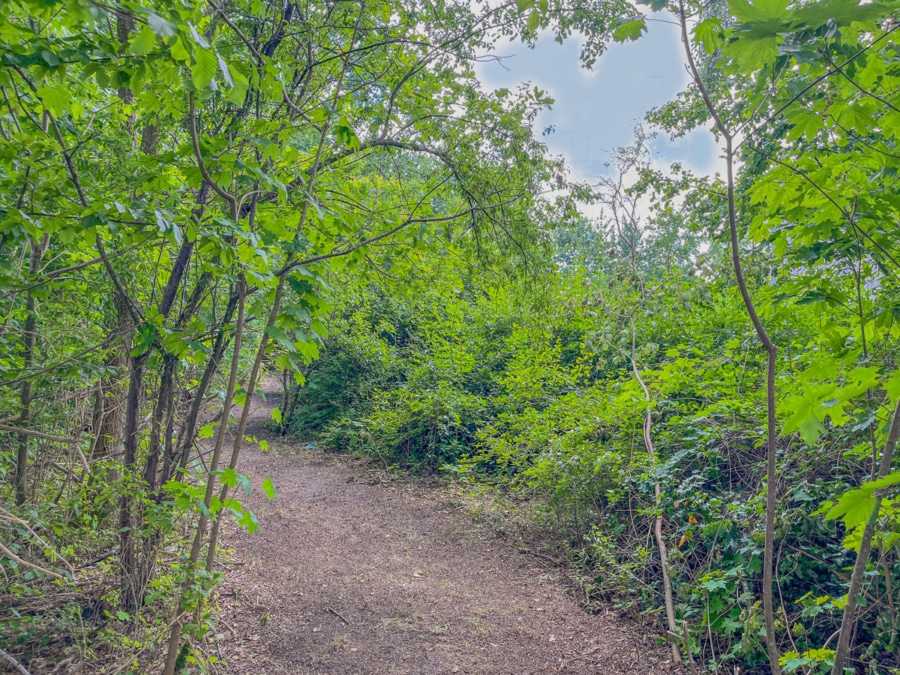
351,575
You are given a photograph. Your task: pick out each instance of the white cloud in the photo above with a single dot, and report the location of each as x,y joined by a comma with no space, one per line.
597,110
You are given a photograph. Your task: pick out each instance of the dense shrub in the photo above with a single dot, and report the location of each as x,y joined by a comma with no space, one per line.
537,394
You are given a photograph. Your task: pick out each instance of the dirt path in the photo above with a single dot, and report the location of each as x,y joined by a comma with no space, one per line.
345,576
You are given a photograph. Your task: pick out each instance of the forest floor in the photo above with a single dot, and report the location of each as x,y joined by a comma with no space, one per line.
354,570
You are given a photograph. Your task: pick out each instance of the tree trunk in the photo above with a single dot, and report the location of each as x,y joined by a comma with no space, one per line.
159,423
131,592
109,412
200,533
178,456
150,139
848,621
26,392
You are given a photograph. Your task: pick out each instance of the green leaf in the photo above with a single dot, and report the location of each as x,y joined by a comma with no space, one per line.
248,520
892,386
855,506
175,344
143,43
269,488
750,52
179,51
759,11
244,480
238,92
707,34
630,30
142,341
226,73
205,67
278,334
56,99
523,5
228,477
811,429
840,12
197,38
345,135
160,26
240,397
715,585
534,20
806,125
276,415
803,417
50,58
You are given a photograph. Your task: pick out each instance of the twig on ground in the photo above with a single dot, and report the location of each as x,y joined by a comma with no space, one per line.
96,561
15,664
230,629
337,614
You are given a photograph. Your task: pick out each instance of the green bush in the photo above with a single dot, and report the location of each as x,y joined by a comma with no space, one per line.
537,394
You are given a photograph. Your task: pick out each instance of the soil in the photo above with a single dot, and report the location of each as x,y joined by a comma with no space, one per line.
354,573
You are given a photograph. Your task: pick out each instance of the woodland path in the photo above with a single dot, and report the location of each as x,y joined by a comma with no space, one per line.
350,574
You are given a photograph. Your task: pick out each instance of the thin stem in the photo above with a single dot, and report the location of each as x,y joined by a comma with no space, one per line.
657,526
772,356
201,164
848,621
212,476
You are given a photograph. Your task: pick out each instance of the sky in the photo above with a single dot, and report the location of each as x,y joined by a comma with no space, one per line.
596,110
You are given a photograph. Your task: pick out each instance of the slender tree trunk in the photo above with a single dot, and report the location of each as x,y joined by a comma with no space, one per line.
159,424
25,396
848,621
131,590
771,426
149,544
772,649
286,402
26,392
658,523
109,418
179,456
131,593
25,403
124,26
132,584
212,476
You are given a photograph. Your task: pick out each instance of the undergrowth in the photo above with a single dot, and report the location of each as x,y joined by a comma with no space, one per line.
547,409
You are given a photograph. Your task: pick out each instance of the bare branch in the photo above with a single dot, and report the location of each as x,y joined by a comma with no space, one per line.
25,563
37,434
15,664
